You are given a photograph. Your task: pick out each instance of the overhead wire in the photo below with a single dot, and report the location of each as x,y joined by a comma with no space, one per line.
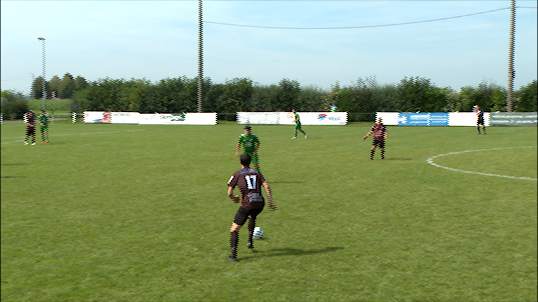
363,26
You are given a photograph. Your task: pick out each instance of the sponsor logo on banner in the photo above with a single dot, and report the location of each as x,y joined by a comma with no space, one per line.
326,117
422,119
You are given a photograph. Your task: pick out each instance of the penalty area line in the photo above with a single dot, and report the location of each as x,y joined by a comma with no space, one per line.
430,161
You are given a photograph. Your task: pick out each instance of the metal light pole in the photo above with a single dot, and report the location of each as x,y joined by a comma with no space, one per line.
200,56
44,93
511,48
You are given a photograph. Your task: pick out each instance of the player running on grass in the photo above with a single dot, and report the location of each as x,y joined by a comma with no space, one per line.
29,120
297,121
251,144
480,119
249,182
380,134
44,126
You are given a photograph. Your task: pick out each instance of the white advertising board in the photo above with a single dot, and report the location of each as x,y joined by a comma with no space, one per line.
209,118
108,117
98,117
258,118
287,118
431,118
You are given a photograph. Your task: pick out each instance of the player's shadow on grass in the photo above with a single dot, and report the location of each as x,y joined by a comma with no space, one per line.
292,252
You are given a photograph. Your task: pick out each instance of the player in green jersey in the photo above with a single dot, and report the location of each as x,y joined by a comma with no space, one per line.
251,144
44,126
297,121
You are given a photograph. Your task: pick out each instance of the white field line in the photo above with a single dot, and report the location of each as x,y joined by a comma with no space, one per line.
22,140
430,161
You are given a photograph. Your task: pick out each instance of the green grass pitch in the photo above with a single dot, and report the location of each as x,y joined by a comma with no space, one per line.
140,213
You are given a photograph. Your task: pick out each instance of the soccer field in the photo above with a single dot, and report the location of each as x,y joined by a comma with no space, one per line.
140,213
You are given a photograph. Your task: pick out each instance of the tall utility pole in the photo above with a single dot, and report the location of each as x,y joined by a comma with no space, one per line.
44,90
511,48
200,56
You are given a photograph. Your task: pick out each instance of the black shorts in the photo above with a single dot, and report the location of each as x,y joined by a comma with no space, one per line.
379,143
480,121
30,131
242,214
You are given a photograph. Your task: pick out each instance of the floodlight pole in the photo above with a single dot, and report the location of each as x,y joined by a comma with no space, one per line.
44,90
511,48
200,56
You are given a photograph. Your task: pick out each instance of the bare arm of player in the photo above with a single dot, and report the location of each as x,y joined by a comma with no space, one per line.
233,197
269,195
367,134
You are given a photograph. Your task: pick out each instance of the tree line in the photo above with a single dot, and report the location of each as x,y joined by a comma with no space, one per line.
365,95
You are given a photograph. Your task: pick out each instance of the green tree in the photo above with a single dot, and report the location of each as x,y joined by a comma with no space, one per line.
263,97
55,84
14,104
37,88
287,95
311,98
526,97
489,96
67,87
384,98
451,99
80,83
419,94
237,95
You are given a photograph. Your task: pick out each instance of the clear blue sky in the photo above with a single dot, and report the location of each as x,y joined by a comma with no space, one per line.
159,39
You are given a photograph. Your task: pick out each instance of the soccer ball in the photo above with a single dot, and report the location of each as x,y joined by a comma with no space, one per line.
258,233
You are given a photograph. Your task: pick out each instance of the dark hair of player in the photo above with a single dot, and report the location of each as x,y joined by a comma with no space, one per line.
245,160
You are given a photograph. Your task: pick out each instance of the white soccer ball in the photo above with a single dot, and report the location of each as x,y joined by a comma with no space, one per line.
258,233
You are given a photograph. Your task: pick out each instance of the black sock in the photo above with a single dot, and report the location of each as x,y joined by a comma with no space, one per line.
251,226
382,153
234,240
372,154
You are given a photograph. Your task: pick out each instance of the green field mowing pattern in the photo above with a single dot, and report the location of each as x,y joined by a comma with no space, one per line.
140,213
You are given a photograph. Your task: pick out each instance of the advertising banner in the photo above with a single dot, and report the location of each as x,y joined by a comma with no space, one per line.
98,117
466,119
258,118
432,118
422,119
108,117
315,118
287,118
514,118
209,118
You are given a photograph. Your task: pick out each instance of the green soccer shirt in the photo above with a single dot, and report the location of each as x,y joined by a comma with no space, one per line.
43,119
297,121
249,143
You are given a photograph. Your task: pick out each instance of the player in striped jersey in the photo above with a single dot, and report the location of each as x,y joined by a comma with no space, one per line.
380,134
